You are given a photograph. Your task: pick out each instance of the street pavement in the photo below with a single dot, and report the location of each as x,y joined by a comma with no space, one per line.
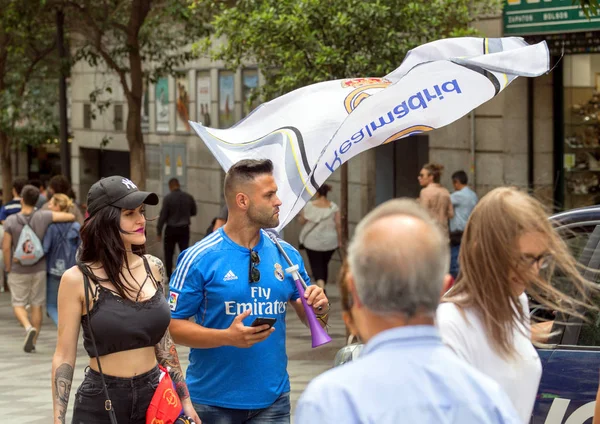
25,390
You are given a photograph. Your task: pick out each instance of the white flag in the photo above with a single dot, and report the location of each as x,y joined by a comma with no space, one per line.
310,132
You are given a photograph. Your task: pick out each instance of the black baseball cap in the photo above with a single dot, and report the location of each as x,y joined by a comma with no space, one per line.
117,191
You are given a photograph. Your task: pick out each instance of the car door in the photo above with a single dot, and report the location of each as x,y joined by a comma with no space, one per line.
571,364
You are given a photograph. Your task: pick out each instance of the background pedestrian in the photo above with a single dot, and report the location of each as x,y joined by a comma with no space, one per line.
463,201
41,186
61,184
28,282
14,205
177,209
60,246
321,233
434,197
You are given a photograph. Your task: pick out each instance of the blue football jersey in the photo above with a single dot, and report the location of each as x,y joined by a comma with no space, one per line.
212,283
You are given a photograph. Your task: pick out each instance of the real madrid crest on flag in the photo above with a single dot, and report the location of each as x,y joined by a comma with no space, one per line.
279,272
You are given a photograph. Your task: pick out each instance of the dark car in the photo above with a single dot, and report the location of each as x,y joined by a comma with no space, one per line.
571,363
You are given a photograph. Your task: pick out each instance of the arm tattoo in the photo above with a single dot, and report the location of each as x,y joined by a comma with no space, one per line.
166,354
63,377
161,271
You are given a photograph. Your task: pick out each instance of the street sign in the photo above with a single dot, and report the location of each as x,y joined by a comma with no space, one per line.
527,17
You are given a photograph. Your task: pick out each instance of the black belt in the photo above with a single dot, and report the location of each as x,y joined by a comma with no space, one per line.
455,238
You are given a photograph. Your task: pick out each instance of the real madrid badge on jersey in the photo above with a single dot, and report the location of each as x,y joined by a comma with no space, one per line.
279,272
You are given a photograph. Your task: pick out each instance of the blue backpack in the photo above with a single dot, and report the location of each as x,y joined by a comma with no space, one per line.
64,250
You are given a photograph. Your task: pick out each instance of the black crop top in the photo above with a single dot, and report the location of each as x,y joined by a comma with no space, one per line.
121,324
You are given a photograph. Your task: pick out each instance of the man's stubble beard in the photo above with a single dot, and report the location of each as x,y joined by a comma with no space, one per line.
262,220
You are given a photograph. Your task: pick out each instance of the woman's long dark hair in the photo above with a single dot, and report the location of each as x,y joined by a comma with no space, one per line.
101,243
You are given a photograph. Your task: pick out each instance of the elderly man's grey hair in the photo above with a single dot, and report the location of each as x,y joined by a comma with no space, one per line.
399,270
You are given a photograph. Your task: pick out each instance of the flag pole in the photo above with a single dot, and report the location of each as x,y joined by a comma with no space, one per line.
273,237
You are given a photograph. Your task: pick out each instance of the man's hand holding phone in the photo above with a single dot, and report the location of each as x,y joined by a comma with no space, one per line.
243,336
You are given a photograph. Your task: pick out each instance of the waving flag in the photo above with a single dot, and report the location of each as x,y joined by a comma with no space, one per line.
310,132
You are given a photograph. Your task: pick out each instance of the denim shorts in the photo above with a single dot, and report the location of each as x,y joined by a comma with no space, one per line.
278,413
130,398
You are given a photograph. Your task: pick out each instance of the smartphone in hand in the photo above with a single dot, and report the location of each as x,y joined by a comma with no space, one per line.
262,321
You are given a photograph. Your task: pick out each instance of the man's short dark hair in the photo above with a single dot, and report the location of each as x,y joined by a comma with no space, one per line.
246,170
36,183
59,184
461,177
173,182
30,195
18,184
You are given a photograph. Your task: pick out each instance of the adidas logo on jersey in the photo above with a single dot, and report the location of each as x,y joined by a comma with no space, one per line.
230,276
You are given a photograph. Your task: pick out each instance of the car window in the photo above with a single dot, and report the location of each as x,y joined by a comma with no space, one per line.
583,242
576,238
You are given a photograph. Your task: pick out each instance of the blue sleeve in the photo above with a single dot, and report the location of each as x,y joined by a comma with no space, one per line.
47,243
3,214
186,288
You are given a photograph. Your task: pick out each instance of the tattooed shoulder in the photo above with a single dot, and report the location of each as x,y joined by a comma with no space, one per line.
158,265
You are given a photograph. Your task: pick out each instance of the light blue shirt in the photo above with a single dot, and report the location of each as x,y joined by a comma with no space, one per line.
463,201
405,375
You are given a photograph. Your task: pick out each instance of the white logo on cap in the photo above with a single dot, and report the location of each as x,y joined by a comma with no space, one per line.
128,183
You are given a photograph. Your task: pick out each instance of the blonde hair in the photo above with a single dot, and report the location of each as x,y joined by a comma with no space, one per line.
434,169
63,201
490,255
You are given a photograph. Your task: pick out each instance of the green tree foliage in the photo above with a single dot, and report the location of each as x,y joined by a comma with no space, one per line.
301,42
28,88
590,7
138,40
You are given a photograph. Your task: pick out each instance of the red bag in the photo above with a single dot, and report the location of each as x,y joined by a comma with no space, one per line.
165,406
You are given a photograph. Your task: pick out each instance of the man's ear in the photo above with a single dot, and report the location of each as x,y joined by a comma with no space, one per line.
352,290
242,201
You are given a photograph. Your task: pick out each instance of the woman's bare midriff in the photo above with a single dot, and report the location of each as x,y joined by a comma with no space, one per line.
126,364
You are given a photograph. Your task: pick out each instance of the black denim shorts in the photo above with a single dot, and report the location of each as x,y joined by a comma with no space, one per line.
130,398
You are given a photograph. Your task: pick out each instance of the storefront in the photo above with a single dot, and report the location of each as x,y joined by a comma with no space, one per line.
574,41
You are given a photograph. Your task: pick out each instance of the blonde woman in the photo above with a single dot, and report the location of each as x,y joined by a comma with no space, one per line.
508,247
60,245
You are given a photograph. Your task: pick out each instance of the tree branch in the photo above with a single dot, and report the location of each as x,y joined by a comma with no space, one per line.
37,58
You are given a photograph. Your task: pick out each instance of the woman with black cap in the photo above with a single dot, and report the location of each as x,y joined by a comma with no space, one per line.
115,293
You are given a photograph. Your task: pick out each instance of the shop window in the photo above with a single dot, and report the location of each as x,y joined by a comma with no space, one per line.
249,87
582,130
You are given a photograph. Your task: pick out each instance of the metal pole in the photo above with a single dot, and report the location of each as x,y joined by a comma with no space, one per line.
344,205
530,135
65,151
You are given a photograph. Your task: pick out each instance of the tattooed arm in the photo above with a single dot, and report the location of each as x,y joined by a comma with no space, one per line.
166,353
70,301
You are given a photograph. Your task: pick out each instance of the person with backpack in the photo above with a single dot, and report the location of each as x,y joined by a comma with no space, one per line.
60,247
25,263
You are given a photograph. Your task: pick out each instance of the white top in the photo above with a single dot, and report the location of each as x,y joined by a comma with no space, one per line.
319,233
519,376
